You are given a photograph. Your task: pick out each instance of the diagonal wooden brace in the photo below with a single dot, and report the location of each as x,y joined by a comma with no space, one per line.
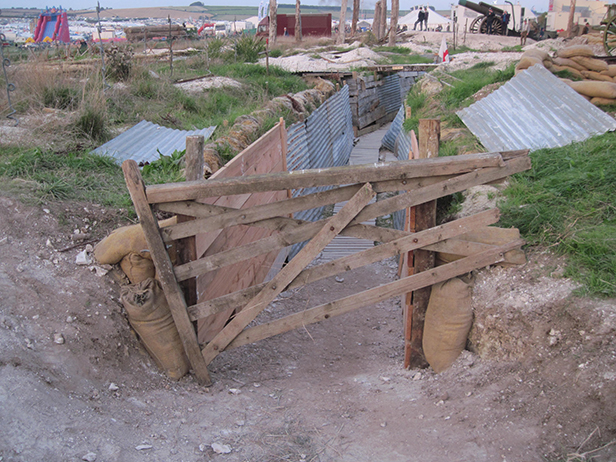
280,282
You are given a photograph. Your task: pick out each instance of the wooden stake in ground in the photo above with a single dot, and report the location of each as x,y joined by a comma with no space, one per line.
425,218
342,24
298,21
273,22
186,248
393,29
571,17
355,20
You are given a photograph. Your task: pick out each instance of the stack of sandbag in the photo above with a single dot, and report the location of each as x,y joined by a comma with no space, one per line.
143,299
532,57
597,78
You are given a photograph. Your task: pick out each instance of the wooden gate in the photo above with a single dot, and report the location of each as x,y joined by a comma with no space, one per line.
416,181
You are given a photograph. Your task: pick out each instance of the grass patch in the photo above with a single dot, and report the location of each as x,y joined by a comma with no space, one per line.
568,203
64,176
517,48
462,49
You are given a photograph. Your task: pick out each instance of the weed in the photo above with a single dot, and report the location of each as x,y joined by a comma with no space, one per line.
565,74
61,97
119,62
275,53
399,50
517,48
567,202
166,169
248,47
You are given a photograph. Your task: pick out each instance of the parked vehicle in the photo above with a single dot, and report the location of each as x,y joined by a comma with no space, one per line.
316,25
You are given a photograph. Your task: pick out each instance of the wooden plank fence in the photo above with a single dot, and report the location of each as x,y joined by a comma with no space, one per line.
222,205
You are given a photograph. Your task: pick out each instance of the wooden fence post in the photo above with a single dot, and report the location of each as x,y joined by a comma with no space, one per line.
187,248
423,218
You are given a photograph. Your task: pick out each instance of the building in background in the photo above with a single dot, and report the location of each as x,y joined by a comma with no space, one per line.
592,11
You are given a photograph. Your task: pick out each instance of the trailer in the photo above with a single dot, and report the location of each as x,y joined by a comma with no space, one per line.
315,25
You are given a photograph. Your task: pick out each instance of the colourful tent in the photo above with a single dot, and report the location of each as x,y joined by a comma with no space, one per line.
52,26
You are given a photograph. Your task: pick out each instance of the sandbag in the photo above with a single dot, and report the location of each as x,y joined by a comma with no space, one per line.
576,50
569,63
448,321
526,62
150,316
490,235
596,76
123,241
595,89
138,266
590,63
575,72
611,70
537,53
603,101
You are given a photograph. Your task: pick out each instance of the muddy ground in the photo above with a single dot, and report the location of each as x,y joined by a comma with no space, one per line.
537,383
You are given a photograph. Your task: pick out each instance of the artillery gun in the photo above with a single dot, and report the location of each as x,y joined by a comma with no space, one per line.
479,25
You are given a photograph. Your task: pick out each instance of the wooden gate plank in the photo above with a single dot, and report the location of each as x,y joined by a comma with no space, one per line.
357,260
308,230
334,176
372,296
289,272
164,270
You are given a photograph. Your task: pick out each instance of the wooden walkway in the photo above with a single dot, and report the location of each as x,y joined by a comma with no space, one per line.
366,151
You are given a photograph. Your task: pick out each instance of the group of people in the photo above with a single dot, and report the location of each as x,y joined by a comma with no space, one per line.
504,20
422,18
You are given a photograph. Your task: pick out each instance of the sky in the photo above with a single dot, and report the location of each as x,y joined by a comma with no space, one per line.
538,5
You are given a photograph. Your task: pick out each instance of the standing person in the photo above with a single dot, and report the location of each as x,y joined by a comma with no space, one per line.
586,27
490,20
426,16
505,23
420,18
524,32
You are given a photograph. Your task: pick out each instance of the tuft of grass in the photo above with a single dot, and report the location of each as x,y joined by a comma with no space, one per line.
248,47
568,202
513,48
65,176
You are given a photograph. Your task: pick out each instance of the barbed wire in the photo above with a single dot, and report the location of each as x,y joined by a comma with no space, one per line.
6,62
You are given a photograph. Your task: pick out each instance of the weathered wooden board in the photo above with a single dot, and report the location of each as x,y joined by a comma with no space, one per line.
404,169
408,242
271,290
372,296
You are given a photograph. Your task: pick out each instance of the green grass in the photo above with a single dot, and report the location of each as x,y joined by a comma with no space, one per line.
64,176
568,202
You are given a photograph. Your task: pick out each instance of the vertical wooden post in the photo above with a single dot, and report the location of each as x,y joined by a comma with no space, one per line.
164,270
187,248
424,218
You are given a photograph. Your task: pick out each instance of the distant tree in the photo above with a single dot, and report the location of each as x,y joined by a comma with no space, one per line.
198,4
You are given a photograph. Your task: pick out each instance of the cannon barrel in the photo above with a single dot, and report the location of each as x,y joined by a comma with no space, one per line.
480,7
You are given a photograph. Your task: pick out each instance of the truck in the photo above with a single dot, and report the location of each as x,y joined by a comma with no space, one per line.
315,25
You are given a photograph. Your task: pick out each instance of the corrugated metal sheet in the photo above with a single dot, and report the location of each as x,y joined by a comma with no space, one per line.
389,93
145,142
389,140
324,140
534,110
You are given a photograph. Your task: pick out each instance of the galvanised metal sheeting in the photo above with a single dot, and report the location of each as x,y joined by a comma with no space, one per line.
324,140
534,110
145,142
390,94
389,140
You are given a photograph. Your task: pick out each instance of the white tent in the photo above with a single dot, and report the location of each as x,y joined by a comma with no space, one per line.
434,19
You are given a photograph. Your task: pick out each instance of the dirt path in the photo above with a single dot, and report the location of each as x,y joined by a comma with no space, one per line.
335,391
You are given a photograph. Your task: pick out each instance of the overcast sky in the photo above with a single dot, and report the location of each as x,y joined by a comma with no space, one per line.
537,5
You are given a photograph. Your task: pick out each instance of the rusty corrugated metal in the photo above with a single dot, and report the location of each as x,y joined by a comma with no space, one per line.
145,142
534,110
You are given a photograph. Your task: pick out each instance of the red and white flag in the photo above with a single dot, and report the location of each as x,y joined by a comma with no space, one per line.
443,52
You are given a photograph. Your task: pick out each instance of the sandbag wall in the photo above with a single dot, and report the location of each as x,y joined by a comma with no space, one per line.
375,100
594,78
